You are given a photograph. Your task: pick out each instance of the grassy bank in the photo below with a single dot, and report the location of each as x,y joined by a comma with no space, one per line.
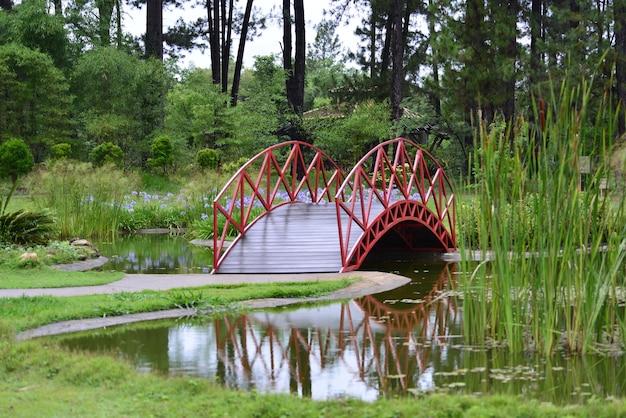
40,378
48,277
44,380
18,314
36,270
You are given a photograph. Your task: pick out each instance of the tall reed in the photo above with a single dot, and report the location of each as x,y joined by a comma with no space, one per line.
556,251
85,201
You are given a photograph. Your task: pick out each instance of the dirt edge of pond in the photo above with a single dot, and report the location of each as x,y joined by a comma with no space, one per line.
371,283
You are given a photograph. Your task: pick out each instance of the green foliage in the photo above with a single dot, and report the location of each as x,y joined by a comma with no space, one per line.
162,153
557,252
207,158
193,203
231,168
35,100
107,153
86,201
30,24
61,151
156,183
324,66
16,160
198,114
26,228
119,99
349,138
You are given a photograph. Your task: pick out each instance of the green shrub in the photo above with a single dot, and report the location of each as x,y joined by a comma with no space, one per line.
107,153
207,158
62,150
26,228
16,159
232,167
162,153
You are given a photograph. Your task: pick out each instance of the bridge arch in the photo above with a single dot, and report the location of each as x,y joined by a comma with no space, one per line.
286,173
396,183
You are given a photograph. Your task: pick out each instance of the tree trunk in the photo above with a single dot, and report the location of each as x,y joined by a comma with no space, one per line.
213,14
105,14
536,19
58,7
234,93
373,45
294,71
435,97
287,62
300,58
227,24
154,29
386,52
510,55
397,57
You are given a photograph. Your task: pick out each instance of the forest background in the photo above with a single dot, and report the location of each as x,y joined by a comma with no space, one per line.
74,83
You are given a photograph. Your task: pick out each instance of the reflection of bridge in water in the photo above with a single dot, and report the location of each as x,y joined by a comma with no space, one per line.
367,345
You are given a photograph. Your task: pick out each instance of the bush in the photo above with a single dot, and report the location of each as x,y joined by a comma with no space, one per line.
232,167
26,228
207,158
107,153
162,153
62,150
16,159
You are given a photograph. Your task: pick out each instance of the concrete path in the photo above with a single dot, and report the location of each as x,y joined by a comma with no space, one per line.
370,283
139,282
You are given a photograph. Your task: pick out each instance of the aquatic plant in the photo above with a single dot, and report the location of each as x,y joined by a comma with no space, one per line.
84,200
552,279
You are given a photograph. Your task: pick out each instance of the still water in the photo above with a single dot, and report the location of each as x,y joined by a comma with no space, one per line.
405,341
155,254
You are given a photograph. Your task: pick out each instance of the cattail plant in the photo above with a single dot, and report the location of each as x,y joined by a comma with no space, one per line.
553,250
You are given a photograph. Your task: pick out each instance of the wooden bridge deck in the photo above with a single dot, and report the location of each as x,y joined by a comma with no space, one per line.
293,238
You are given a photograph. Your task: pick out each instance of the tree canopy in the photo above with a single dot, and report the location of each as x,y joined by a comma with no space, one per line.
432,71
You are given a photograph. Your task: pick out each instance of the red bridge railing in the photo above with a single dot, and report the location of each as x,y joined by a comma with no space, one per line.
285,173
395,181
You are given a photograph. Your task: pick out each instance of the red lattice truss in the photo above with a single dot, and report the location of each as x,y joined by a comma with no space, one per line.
396,183
269,180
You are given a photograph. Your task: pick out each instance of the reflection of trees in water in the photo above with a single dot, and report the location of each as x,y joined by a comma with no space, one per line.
387,348
155,253
146,346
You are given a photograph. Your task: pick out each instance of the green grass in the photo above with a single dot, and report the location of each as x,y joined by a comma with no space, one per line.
48,277
39,273
19,202
29,312
40,379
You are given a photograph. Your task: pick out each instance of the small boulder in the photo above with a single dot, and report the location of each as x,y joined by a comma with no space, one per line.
28,260
90,250
29,257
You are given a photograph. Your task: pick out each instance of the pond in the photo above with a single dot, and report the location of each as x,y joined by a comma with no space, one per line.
404,341
155,254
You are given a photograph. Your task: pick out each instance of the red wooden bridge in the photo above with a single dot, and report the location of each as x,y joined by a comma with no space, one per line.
291,209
